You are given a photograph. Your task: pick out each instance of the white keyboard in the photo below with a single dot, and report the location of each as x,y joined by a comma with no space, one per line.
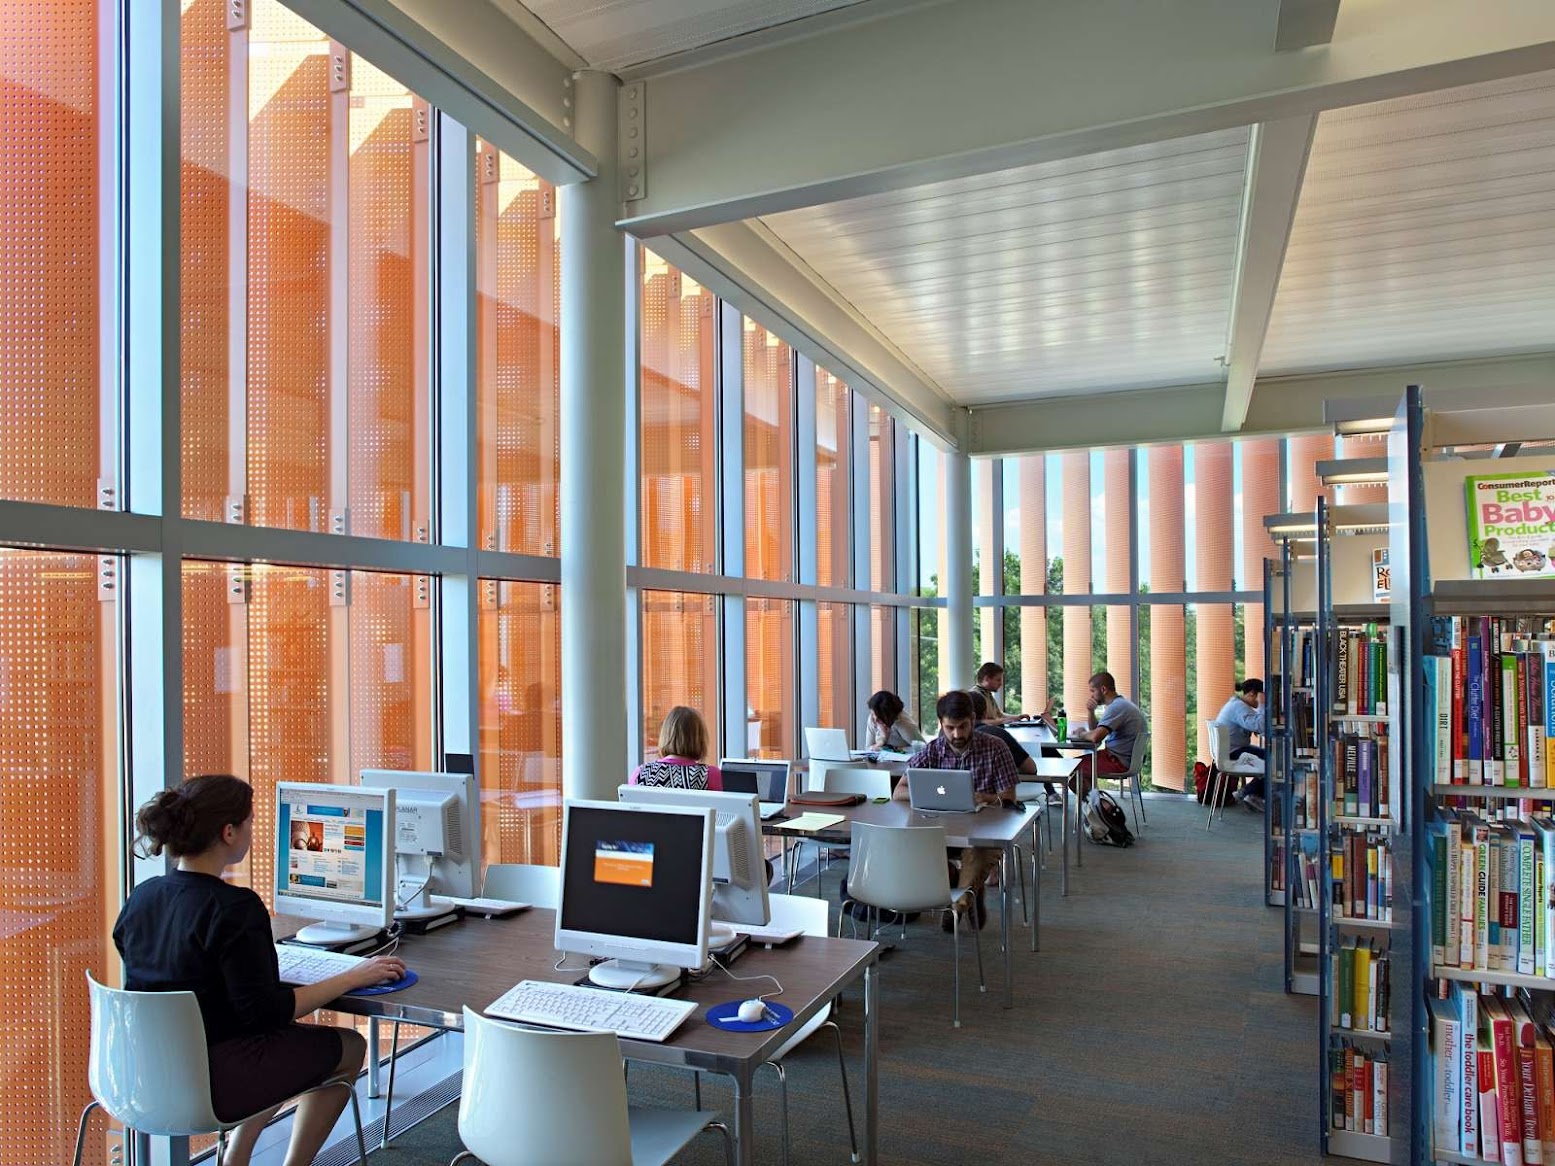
479,906
309,965
591,1010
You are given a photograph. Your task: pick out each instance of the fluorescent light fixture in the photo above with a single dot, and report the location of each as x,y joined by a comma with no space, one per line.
1284,526
1354,415
1373,516
1353,471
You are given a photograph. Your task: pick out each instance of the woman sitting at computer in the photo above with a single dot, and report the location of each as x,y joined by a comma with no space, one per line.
191,931
682,749
889,726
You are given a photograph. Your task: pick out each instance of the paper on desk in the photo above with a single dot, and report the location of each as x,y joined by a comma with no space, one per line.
810,823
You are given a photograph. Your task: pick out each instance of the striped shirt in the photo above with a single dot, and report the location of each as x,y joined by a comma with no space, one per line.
992,767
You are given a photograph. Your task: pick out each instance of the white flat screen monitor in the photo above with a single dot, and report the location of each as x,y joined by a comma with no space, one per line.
637,888
437,836
334,847
739,865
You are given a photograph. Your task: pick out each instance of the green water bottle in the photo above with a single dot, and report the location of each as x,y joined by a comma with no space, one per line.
1061,724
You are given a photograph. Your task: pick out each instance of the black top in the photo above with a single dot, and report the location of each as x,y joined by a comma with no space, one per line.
1008,738
193,932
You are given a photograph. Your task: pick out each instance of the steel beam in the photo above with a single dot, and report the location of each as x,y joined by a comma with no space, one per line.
946,91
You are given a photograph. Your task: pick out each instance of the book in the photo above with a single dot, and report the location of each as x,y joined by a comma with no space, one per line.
1524,1040
1511,520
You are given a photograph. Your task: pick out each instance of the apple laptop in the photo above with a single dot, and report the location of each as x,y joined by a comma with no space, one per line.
768,780
827,744
947,791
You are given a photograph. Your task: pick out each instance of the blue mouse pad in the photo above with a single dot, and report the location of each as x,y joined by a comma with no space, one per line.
727,1017
402,983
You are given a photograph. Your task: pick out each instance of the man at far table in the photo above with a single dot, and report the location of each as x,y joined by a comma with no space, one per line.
960,746
1112,719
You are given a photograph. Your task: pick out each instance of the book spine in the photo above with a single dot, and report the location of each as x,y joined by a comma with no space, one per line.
1469,1117
1489,1107
1528,1096
1341,698
1548,647
1511,729
1538,772
1379,1095
1468,915
1544,1075
1481,897
1526,900
1438,894
1460,737
1544,829
1508,1104
1474,709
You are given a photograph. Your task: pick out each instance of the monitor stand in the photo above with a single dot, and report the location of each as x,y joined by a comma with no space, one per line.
420,910
628,975
720,936
335,934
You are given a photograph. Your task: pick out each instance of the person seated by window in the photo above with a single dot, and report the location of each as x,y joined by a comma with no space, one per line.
1025,763
990,679
1241,717
960,746
682,755
192,931
889,725
1112,720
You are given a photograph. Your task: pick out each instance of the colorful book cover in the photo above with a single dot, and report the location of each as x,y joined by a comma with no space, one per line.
1511,525
1381,576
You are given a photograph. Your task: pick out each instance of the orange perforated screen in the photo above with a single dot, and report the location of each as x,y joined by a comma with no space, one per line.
882,500
833,481
1168,627
834,663
679,470
769,454
520,722
769,677
680,650
518,385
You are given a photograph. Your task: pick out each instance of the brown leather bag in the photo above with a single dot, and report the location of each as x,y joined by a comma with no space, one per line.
817,797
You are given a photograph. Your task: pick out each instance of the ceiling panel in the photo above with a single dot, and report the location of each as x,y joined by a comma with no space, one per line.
617,34
1104,272
1425,231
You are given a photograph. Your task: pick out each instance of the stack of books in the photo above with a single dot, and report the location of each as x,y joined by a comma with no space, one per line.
1360,673
1361,987
1363,877
1490,907
1360,763
1494,1084
1359,1081
1490,701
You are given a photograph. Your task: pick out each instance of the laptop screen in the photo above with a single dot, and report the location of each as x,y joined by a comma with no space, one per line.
768,782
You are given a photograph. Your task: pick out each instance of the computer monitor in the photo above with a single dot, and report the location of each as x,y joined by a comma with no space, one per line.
636,887
332,847
739,871
768,780
437,839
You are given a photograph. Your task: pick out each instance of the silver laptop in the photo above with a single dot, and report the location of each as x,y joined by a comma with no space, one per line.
768,780
827,744
948,791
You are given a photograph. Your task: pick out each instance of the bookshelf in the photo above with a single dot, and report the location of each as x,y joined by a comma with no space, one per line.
1478,854
1358,819
1274,722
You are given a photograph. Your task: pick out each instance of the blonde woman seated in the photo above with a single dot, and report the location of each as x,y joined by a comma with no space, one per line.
682,748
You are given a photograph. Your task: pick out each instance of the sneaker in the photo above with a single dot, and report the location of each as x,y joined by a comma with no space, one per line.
1055,799
1253,804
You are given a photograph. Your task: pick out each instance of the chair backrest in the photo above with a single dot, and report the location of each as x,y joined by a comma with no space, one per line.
534,1096
1217,745
149,1066
1136,763
810,914
520,882
899,868
872,783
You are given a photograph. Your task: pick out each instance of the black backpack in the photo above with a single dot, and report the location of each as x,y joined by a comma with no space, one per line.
1105,822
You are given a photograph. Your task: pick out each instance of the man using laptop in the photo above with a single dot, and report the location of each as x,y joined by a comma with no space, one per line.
960,746
1114,719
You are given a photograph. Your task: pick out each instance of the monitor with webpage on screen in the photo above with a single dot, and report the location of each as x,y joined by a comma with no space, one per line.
334,859
637,888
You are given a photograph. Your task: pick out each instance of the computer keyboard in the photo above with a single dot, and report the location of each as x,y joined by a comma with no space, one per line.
479,906
309,965
591,1010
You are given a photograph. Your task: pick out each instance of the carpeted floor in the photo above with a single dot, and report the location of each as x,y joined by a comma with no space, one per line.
1152,1028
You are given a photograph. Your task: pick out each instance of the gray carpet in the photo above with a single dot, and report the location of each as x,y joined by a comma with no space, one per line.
1151,1028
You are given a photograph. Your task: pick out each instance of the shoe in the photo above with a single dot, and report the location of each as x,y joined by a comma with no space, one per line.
1253,804
1055,799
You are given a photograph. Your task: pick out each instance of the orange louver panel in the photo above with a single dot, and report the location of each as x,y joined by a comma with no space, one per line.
1215,538
520,722
882,508
1304,454
1078,664
1118,511
61,849
769,676
833,481
834,663
769,464
1260,498
680,663
1033,581
1168,661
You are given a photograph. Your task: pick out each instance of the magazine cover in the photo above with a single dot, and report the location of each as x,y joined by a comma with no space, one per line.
1512,525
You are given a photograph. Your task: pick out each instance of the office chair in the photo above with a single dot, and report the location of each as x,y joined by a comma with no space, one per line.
149,1069
560,1098
1223,770
902,869
1136,767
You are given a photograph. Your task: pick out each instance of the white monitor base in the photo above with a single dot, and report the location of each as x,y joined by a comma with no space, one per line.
720,936
627,976
335,934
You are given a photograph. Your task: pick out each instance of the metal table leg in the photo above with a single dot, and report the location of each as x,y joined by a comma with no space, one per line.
1064,839
744,1118
1036,890
871,1065
1004,931
373,1074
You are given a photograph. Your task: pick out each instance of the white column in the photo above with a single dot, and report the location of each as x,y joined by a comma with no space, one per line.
958,572
593,434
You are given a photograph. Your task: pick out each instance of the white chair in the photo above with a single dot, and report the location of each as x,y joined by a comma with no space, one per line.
559,1098
812,916
518,882
1224,770
902,869
871,783
149,1069
1136,768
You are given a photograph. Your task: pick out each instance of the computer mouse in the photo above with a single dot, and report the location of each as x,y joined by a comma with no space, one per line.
752,1011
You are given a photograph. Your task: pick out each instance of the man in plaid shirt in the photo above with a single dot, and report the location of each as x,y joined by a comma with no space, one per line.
959,746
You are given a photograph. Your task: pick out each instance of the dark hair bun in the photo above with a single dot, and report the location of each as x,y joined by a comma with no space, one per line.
191,818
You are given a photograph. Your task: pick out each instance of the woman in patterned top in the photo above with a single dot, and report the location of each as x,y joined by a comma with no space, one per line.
682,748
